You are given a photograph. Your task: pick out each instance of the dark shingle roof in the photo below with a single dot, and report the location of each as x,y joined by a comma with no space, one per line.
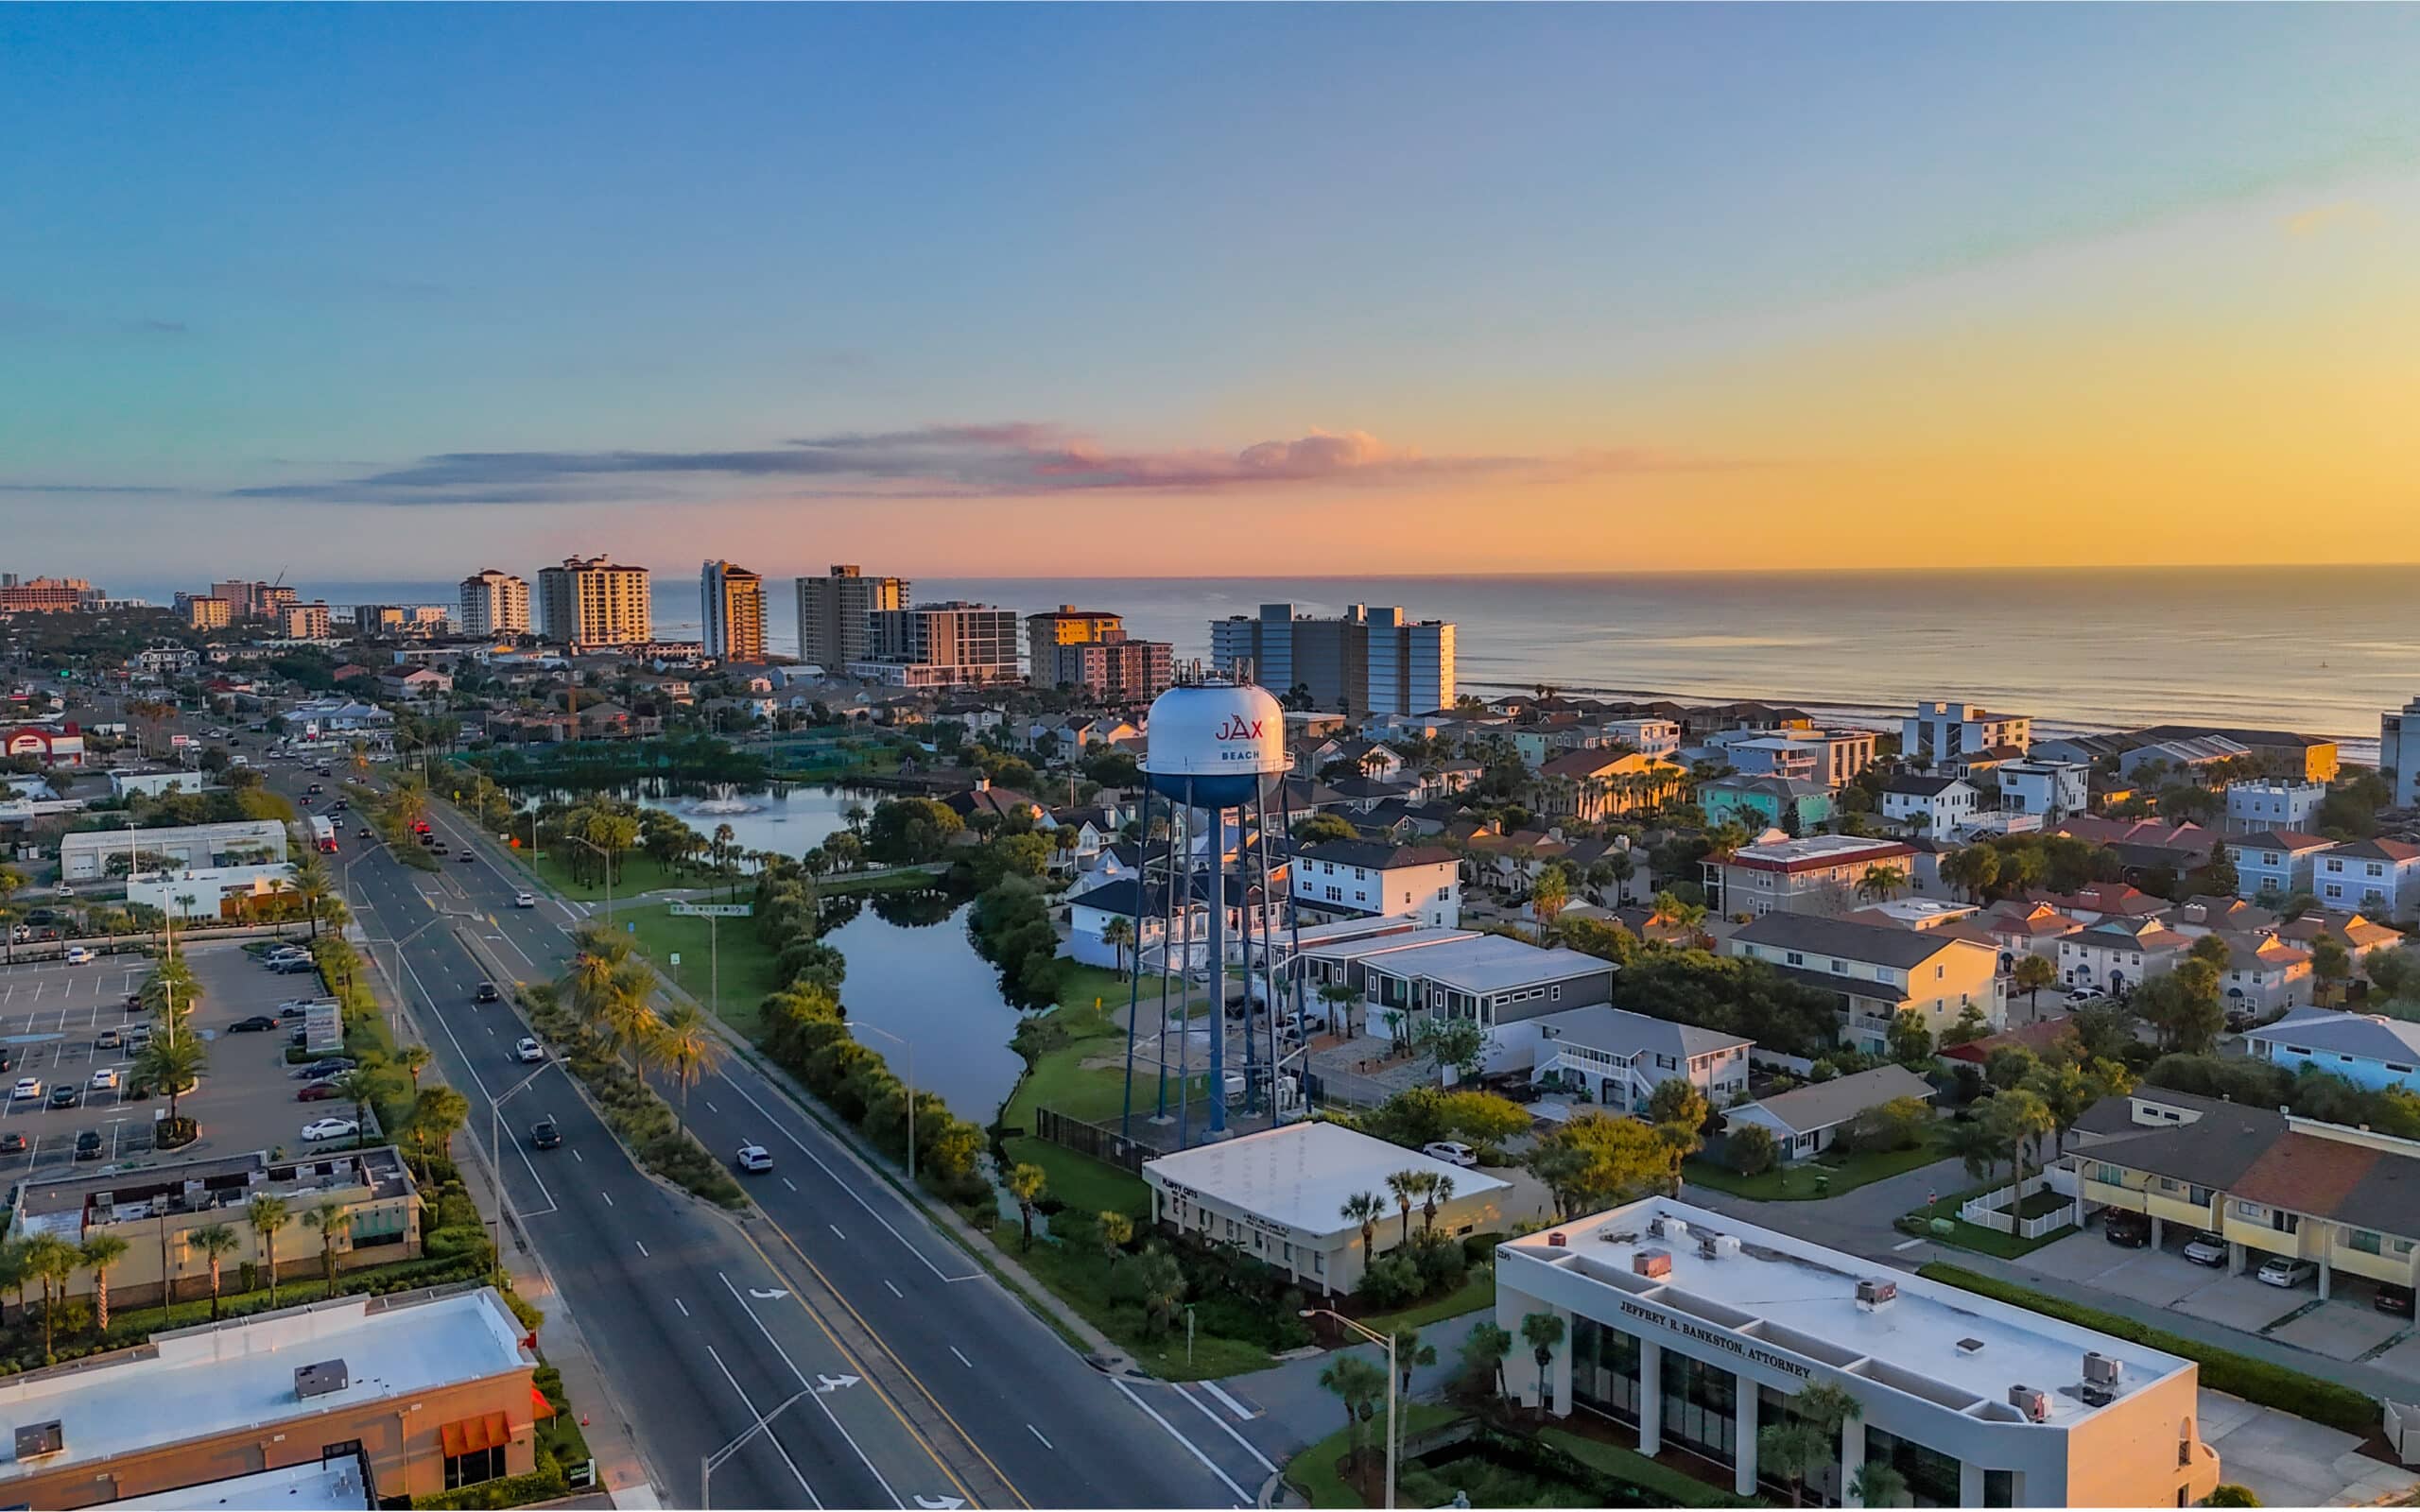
1879,944
1375,854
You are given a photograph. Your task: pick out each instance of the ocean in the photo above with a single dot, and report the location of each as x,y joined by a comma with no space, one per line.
2318,650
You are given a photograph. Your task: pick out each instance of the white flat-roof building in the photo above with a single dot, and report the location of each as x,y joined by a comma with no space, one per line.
89,854
157,783
1696,1330
1278,1196
210,892
340,1484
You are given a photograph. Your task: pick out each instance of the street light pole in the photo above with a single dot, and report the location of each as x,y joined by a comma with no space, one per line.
1394,1442
910,1081
706,1463
495,1149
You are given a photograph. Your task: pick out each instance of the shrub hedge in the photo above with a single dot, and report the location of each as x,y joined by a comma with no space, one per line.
2238,1375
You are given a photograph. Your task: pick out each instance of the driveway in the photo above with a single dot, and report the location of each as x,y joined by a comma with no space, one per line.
2290,1461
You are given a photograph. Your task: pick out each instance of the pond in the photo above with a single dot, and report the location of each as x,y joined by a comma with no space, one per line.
913,971
789,818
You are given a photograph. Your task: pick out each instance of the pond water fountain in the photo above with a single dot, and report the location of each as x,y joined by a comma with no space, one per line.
726,800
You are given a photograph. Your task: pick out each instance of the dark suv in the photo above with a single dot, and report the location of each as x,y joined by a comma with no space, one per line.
545,1134
2130,1230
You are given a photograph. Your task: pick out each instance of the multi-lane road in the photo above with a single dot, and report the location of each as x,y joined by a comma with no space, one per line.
911,1376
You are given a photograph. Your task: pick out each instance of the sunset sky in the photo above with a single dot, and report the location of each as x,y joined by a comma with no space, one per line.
408,291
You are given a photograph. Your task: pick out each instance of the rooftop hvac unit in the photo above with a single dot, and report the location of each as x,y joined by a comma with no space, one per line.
2035,1405
1669,1227
2102,1369
1724,1243
37,1439
1875,1291
321,1379
1970,1345
1653,1263
1556,1240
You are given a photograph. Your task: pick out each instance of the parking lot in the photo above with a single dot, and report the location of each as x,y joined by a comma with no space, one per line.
51,1016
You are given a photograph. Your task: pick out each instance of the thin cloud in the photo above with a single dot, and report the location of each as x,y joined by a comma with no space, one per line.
1016,458
12,486
2346,214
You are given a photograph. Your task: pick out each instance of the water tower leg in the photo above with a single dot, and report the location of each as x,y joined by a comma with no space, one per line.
1218,975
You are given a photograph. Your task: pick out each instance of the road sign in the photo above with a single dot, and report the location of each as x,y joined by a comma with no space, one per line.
711,910
676,957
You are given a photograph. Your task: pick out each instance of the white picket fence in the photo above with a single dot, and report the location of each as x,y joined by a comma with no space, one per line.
1996,1211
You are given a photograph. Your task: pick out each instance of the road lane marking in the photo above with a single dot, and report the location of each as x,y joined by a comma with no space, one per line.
895,1291
812,1499
641,1244
961,1359
788,1182
1910,1244
1045,1443
710,1105
1224,1427
607,1196
837,1233
581,1159
1208,1462
804,1381
1233,1405
681,1305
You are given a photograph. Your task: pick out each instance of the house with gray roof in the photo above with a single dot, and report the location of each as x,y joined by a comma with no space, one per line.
1878,970
2366,1049
1805,1120
1617,1058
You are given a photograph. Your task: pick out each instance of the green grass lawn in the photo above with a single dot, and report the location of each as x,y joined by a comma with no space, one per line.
749,970
1078,1274
1080,1181
1314,1471
1964,1235
636,874
1797,1183
1474,1293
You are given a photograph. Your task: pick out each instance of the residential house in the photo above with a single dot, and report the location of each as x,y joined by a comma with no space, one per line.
1590,785
1164,932
1372,759
2278,862
2263,974
1941,732
414,684
1493,980
1364,878
1878,971
1934,805
1001,802
1772,756
2016,929
2272,805
2118,955
1617,1058
2359,935
2049,789
2269,1184
2095,901
2366,1049
1805,1120
2143,845
1810,874
2374,876
1649,737
2308,758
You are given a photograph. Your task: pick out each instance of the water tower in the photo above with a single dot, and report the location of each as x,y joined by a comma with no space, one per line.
1217,759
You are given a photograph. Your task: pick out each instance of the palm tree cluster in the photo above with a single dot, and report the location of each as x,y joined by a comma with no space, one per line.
611,990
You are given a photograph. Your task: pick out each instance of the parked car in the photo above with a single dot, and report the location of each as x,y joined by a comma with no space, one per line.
2392,1299
318,1091
27,1089
88,1145
2087,994
13,1142
327,1066
2279,1270
81,955
529,1051
753,1159
2131,1231
524,900
290,965
109,1040
2207,1248
329,1129
545,1134
105,1079
257,1024
486,993
66,1094
283,953
1453,1152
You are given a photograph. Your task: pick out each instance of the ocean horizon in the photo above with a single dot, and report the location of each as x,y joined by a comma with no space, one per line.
2319,649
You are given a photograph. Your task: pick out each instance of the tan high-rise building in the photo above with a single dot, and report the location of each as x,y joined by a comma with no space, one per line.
1089,650
596,601
495,603
302,622
204,611
832,613
733,601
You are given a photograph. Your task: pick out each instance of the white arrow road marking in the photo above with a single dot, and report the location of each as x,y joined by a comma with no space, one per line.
767,1296
939,1503
827,1383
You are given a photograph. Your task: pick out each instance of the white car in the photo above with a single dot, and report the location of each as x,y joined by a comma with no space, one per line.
2207,1248
27,1088
105,1079
528,1050
754,1157
2278,1270
524,900
1453,1152
329,1129
81,955
2087,994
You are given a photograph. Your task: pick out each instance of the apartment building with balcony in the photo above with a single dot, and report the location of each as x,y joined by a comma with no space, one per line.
1811,874
1618,1058
1947,734
1878,970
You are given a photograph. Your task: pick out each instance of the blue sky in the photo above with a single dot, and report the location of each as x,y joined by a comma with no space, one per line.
252,256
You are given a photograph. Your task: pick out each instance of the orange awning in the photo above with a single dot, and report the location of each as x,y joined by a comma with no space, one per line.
473,1435
539,1406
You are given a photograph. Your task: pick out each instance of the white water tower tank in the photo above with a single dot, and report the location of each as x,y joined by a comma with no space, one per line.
1220,745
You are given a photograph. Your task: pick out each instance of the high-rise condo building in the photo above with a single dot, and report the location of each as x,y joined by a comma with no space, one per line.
832,613
1364,661
45,595
1089,650
939,646
495,603
205,611
734,602
595,601
302,622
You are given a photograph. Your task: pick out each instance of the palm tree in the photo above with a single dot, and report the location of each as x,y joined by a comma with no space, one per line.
1365,1209
439,1112
100,1252
1116,1230
172,1064
1486,1347
1357,1383
1543,1332
52,1261
331,1224
313,888
360,1087
1406,1187
1119,933
15,1271
1440,1192
216,1241
1882,881
1808,1436
1026,1184
268,1214
1410,1354
1877,1484
686,1047
414,1060
12,882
